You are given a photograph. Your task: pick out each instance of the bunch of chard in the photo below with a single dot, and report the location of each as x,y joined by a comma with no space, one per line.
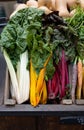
57,86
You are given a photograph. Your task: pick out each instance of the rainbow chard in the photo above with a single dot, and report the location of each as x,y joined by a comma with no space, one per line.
20,78
56,84
59,70
63,73
23,77
51,95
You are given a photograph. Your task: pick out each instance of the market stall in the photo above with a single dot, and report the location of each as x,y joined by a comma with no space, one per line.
49,91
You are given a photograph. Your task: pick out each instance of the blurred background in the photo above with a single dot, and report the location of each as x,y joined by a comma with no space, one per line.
8,6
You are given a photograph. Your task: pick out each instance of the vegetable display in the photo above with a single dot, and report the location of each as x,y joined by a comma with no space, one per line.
44,54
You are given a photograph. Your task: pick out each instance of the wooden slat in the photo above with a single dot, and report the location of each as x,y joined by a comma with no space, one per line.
2,77
7,100
6,91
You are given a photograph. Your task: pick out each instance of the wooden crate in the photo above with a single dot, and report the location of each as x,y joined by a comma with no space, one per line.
11,108
9,101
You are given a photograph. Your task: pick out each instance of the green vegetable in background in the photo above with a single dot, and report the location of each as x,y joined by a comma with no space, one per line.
77,22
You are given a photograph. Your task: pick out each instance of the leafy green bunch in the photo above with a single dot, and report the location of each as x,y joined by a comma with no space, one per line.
77,22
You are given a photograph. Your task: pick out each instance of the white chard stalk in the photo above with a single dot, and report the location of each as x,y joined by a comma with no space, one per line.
12,91
20,81
23,77
12,76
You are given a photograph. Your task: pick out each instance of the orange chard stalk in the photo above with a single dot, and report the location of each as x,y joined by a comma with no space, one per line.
41,75
79,84
83,79
40,80
43,98
33,81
